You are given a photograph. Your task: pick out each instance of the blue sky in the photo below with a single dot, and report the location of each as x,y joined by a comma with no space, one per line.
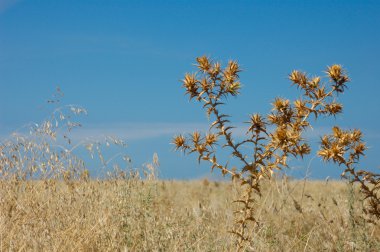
123,61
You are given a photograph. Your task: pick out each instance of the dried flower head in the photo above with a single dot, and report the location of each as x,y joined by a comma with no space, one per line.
179,142
204,64
211,139
196,137
257,124
335,72
280,104
190,84
298,78
338,76
334,108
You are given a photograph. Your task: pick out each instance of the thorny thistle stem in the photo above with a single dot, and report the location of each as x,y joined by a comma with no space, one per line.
211,85
345,148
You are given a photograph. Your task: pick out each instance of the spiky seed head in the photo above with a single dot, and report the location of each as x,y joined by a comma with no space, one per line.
233,68
337,132
334,72
190,84
324,153
298,78
205,85
215,70
257,123
360,148
337,74
334,108
325,141
190,80
301,108
304,149
234,88
273,119
179,142
230,73
204,64
196,136
280,104
337,152
356,135
211,139
314,83
281,136
201,148
320,93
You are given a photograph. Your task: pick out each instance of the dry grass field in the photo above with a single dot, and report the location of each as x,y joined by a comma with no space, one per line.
49,201
154,215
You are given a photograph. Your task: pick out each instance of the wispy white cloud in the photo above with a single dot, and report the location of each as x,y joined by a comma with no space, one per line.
136,131
141,131
6,4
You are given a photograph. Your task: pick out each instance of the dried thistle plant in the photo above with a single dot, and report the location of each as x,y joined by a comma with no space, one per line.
344,147
270,149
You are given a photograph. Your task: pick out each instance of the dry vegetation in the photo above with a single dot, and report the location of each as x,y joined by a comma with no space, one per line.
272,139
49,201
153,215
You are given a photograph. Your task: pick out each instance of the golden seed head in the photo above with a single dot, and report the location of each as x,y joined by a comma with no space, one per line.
320,93
301,108
280,104
281,135
233,68
334,108
304,149
190,84
356,135
334,72
273,119
337,149
179,141
298,78
257,123
205,85
190,81
211,139
338,76
215,70
234,88
337,132
314,83
196,137
201,148
204,64
325,141
360,148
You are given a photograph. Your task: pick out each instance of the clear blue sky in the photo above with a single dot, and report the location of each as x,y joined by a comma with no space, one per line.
123,61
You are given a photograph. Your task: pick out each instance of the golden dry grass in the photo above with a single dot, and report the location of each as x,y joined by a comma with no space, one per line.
137,215
49,203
